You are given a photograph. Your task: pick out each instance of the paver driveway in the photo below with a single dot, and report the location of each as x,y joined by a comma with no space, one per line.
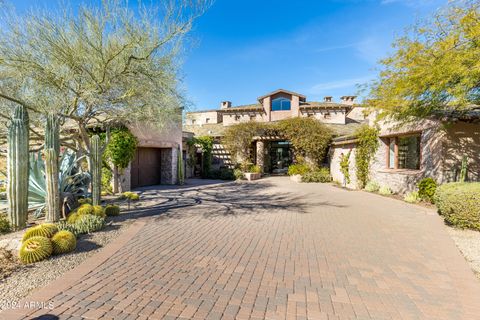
275,249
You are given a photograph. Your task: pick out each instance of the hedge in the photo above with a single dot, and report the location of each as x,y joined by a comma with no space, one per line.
459,204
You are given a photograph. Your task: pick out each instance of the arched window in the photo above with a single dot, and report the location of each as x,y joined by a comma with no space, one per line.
279,104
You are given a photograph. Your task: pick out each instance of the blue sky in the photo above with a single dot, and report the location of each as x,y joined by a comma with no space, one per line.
244,49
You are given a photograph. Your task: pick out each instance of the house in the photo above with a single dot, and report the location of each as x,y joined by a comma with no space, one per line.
273,154
156,157
407,153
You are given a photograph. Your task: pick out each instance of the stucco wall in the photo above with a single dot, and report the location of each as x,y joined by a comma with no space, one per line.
201,117
327,116
461,139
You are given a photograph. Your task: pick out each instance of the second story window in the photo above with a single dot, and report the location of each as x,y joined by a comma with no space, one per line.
280,104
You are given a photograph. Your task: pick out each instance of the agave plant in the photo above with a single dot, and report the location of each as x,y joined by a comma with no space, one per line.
72,180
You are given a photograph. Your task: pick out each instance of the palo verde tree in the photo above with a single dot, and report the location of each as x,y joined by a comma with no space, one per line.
96,65
435,67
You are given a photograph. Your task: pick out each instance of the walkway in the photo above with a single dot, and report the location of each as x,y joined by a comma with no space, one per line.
274,249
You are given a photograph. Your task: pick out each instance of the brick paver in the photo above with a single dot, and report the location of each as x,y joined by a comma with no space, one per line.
274,249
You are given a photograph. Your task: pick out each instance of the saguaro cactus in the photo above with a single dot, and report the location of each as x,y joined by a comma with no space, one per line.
52,152
17,167
96,168
51,179
463,171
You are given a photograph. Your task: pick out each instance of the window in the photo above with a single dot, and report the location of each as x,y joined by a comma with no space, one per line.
280,104
193,121
404,152
207,120
237,118
252,118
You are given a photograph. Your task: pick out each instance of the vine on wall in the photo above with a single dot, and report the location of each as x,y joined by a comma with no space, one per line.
345,167
206,145
365,150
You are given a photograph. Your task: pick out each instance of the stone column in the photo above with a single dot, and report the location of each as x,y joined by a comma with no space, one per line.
261,155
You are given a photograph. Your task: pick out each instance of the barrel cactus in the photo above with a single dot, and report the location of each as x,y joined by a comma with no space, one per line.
99,211
96,168
35,249
46,230
73,217
112,210
63,242
85,209
18,167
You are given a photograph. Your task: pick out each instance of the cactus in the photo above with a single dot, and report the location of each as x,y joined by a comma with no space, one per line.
63,242
53,190
84,201
52,152
96,168
73,217
463,171
18,167
89,223
112,210
35,249
181,177
64,225
85,209
52,133
99,211
46,230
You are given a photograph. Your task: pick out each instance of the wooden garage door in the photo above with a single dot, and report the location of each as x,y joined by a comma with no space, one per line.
146,169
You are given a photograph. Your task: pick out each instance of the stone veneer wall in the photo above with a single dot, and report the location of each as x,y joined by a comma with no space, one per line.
400,181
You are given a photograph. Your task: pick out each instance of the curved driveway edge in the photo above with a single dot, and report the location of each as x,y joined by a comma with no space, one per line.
42,296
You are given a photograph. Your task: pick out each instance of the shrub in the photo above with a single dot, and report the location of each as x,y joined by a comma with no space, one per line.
99,211
238,174
255,169
132,196
4,224
320,175
372,186
298,168
459,204
426,189
63,242
85,209
385,191
35,249
89,223
112,210
412,197
222,174
46,230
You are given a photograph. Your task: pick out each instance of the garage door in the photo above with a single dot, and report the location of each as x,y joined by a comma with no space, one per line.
145,168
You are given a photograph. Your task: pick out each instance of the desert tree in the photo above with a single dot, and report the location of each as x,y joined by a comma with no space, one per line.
434,68
95,66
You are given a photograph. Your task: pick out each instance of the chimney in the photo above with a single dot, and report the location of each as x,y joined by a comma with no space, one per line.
327,99
225,104
350,100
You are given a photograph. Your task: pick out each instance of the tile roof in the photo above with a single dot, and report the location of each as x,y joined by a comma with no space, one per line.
323,105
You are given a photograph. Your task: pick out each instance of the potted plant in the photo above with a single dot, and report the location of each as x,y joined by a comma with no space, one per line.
254,172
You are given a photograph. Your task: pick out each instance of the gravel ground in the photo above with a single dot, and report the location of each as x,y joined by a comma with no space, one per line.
468,242
29,277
